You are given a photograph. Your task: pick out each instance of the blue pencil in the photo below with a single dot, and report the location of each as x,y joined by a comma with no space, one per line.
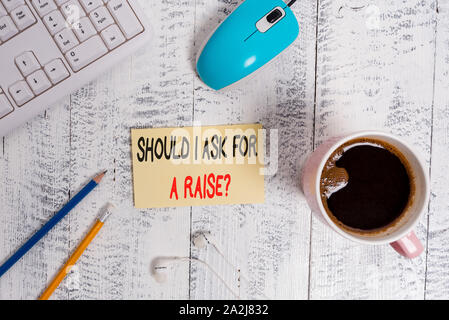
50,224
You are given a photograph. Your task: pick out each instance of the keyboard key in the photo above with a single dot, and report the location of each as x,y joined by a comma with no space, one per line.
23,17
12,4
84,29
112,36
38,82
44,7
2,10
85,53
27,63
7,28
21,92
90,5
101,18
5,106
56,71
66,40
72,11
55,22
127,20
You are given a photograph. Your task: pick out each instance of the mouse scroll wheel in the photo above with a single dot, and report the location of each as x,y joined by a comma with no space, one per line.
274,16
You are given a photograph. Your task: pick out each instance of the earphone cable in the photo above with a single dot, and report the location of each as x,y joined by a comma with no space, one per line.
214,273
291,3
241,275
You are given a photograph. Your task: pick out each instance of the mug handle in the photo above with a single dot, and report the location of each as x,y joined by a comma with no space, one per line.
409,246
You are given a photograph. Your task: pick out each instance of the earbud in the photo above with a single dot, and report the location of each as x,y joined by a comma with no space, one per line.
160,266
159,276
202,239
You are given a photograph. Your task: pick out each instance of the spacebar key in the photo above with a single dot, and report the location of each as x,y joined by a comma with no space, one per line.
85,53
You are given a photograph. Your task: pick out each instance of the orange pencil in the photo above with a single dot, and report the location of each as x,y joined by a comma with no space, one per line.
77,254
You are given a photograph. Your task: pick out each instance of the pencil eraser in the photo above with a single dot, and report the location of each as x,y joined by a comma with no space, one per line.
107,212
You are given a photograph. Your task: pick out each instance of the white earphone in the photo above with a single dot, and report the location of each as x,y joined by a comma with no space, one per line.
160,265
200,240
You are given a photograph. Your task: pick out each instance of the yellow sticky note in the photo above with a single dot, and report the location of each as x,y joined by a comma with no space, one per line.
194,166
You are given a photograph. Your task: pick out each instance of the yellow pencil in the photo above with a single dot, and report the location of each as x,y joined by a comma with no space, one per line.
75,256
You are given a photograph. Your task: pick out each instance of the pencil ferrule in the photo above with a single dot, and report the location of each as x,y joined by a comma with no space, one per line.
107,212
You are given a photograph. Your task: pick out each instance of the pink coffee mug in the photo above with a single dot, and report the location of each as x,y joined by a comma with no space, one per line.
401,235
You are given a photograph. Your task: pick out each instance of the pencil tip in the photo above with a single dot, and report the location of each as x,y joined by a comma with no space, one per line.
98,178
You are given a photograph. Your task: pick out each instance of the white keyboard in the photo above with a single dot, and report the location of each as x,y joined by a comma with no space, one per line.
49,48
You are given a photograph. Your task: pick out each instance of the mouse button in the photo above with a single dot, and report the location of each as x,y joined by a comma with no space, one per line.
284,31
274,16
270,19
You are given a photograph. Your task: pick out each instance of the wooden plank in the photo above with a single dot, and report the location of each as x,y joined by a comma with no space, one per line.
437,276
153,88
268,243
375,70
34,166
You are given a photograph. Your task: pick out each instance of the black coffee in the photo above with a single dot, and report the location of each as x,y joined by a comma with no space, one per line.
366,185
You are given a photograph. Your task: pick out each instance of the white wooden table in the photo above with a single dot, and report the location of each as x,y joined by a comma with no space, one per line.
357,64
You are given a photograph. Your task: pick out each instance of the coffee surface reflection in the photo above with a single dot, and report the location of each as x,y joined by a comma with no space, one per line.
366,185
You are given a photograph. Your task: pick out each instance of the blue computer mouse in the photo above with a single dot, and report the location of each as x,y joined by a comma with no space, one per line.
255,33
